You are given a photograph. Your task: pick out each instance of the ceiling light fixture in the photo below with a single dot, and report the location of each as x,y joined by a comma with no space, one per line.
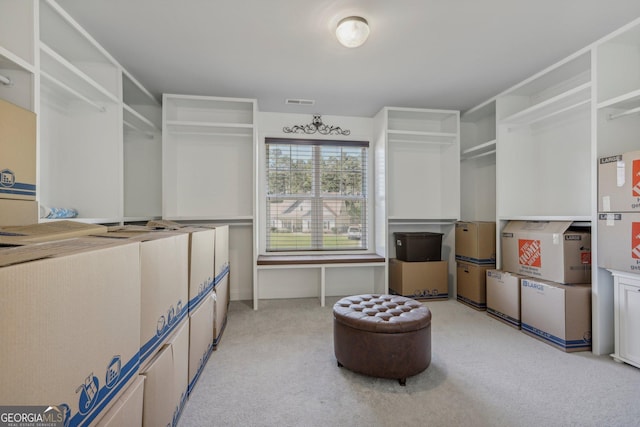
352,31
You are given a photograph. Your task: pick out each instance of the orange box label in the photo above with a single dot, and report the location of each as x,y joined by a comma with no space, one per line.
529,253
635,179
635,240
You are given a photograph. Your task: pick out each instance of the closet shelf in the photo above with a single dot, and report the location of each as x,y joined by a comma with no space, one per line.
71,91
61,70
395,220
564,102
138,122
208,128
628,101
480,149
405,136
8,60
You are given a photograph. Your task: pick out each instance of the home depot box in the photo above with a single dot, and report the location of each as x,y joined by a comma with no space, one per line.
70,315
18,212
557,314
619,182
503,296
221,301
17,152
619,241
163,282
127,410
201,323
476,242
471,280
166,380
548,250
422,280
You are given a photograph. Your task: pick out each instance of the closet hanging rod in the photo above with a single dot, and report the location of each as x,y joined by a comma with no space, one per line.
479,155
5,80
137,129
72,91
550,115
624,113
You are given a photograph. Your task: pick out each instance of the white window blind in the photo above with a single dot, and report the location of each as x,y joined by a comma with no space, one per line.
316,195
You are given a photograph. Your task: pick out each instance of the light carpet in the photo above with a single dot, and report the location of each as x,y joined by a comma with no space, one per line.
276,367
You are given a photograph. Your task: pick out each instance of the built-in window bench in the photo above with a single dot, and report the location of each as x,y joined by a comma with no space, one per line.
300,276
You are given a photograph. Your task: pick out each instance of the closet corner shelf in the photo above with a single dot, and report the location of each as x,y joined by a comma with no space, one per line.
480,150
138,122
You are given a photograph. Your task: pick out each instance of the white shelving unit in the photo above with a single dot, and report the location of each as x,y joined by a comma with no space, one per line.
544,155
18,52
80,120
142,156
478,163
627,317
417,177
208,149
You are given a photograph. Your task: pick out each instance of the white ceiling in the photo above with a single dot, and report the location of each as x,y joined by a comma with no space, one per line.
451,54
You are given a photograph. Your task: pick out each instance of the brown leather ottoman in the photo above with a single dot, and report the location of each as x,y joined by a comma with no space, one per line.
385,336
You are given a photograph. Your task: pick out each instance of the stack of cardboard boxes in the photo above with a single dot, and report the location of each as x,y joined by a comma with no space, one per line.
475,254
418,271
544,285
619,212
113,328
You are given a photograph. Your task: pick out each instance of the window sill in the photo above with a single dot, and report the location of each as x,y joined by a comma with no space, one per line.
319,259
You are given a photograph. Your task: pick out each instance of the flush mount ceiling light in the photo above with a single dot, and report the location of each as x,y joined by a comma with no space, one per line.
352,31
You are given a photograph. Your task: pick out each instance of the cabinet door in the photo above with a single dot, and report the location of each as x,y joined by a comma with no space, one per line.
630,322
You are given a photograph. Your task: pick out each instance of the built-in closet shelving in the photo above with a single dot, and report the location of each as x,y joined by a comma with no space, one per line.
80,120
208,147
478,163
142,155
417,176
18,52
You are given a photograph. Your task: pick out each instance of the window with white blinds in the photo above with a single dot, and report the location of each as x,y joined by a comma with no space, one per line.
316,195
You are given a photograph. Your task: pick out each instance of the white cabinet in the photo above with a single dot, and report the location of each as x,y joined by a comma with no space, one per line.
627,317
417,176
142,151
208,158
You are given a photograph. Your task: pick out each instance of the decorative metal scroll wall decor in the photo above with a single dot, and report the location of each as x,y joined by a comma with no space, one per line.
316,126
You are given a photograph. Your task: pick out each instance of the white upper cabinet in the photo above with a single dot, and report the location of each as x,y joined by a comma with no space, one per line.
18,52
208,158
544,156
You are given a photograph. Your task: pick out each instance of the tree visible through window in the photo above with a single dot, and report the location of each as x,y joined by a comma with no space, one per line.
316,194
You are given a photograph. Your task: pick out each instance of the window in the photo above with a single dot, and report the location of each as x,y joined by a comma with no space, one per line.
316,195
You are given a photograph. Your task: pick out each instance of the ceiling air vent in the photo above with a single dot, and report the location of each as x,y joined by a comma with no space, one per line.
291,101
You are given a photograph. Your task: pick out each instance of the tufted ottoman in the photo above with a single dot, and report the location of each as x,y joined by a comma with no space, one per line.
385,336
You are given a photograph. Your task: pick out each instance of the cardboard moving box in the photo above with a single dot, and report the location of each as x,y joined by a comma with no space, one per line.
619,183
127,411
557,314
163,282
47,232
17,152
503,296
18,212
70,315
619,241
471,281
201,324
476,242
548,250
420,280
166,380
